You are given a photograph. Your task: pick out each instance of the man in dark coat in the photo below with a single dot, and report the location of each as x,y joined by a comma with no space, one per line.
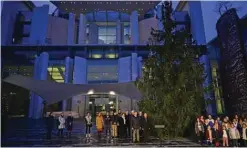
49,125
114,121
69,122
141,119
128,128
135,122
107,124
146,127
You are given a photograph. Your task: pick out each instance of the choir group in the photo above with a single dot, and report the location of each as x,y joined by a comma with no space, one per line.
218,132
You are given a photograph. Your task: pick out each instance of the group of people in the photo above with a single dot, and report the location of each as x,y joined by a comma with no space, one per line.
220,132
121,125
114,124
61,124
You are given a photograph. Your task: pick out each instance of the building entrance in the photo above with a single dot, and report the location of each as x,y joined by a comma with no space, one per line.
102,103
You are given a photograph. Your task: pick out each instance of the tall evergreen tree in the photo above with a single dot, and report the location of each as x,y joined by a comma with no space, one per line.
172,78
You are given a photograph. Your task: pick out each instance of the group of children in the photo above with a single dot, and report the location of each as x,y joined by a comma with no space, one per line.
224,132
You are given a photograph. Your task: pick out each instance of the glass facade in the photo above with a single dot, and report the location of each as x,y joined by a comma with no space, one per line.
107,35
102,73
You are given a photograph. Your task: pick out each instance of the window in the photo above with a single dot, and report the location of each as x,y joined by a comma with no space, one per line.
126,35
107,35
102,73
56,73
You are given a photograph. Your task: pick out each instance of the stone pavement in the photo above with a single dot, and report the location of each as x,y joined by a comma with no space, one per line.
23,133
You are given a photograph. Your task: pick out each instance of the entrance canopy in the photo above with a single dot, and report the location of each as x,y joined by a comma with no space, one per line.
53,92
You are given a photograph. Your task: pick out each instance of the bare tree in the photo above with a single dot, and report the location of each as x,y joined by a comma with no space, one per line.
223,6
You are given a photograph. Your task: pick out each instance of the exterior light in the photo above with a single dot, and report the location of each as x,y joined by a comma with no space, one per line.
90,102
111,102
112,93
90,92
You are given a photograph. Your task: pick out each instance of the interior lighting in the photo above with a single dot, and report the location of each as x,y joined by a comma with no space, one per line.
59,81
57,77
96,56
112,93
90,92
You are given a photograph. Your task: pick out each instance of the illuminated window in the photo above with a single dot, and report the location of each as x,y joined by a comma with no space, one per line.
56,73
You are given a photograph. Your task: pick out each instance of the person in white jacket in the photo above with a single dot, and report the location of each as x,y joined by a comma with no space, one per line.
61,125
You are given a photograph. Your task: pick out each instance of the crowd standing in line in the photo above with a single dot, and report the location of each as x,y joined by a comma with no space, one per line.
226,132
113,125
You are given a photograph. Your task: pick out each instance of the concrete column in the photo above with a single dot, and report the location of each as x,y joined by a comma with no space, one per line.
211,108
197,25
93,34
134,26
38,28
71,29
119,32
159,17
40,73
32,97
134,66
139,67
79,77
67,77
124,69
198,33
82,30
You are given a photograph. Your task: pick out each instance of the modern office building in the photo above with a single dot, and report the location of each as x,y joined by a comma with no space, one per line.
90,42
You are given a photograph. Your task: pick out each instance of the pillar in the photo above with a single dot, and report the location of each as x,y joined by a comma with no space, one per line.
67,77
79,77
119,32
134,66
82,30
93,33
124,69
71,29
40,73
38,28
159,17
32,97
197,26
198,33
139,67
134,26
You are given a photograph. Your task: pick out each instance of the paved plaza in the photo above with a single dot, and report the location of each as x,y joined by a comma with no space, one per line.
27,133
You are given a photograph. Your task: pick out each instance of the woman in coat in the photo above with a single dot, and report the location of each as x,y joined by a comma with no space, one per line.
61,125
88,122
99,124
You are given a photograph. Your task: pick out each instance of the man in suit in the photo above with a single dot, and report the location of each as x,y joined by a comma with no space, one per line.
146,127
